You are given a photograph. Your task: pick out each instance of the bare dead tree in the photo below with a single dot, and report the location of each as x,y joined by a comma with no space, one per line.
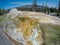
58,9
46,6
34,6
59,6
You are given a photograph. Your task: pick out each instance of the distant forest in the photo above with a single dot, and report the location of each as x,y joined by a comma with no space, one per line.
43,9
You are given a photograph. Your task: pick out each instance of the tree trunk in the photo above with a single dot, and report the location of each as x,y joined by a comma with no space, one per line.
43,37
54,43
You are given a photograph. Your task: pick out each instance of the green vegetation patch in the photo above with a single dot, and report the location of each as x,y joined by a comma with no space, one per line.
52,33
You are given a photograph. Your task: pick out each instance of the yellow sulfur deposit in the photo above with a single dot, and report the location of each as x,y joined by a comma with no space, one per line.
26,26
26,31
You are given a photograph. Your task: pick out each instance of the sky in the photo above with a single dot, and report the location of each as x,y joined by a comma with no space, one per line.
7,4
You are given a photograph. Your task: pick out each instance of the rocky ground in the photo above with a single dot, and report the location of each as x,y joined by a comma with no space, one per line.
22,32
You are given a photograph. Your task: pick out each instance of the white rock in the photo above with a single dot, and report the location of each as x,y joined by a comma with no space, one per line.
14,12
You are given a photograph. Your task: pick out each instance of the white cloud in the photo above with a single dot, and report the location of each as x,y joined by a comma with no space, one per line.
15,3
20,3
